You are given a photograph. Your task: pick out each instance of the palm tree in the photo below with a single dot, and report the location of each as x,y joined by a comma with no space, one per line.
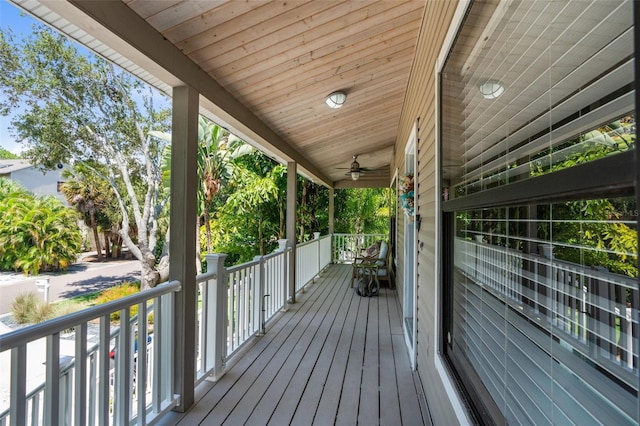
217,149
89,194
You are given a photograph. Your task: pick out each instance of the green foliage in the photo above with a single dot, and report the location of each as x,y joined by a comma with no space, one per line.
28,308
362,211
118,292
6,154
37,234
592,235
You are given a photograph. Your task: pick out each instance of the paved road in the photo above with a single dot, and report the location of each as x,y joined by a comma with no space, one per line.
82,277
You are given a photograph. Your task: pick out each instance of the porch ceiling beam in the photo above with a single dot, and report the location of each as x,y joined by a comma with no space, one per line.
117,18
378,182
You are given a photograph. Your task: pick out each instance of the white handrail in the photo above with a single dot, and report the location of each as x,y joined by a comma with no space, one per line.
81,390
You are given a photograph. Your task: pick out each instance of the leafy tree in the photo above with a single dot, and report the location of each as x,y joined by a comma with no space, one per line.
313,202
217,149
6,154
75,109
251,202
37,234
363,211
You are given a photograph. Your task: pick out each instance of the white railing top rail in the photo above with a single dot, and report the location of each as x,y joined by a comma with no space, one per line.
306,243
30,333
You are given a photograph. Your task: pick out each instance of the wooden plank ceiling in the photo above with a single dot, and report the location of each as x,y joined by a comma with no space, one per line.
281,59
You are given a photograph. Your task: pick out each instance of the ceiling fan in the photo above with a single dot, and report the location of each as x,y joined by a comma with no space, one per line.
355,171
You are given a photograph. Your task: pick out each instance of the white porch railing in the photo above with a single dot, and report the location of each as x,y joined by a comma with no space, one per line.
88,387
234,304
311,258
347,246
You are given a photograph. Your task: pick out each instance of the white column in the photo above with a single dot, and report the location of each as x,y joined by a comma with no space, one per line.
184,155
331,219
292,189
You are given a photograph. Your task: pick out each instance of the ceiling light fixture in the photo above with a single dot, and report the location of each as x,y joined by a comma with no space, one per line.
336,99
491,89
355,175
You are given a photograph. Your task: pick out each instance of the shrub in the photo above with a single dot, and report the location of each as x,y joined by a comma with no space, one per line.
118,292
23,306
37,234
43,311
27,308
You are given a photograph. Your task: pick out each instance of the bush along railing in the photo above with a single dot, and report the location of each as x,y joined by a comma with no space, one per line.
101,383
348,246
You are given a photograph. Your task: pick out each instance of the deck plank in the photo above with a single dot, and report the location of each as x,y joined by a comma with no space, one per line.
369,409
304,390
350,396
250,388
389,399
334,358
299,360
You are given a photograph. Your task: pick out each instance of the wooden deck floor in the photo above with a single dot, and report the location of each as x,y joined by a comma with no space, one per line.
332,358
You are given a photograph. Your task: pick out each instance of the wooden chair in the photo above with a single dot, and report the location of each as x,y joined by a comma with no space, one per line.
378,265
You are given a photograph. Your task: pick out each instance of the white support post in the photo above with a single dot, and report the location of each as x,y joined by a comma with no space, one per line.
218,303
292,182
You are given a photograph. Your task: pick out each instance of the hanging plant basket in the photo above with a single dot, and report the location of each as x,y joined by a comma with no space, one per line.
407,200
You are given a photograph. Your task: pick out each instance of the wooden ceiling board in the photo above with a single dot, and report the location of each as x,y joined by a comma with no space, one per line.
319,53
146,9
312,71
365,66
181,32
381,121
182,11
238,31
297,42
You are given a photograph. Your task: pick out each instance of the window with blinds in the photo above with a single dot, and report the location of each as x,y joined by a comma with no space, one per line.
540,219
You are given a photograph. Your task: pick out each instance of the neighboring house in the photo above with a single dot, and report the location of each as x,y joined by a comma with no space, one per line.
31,178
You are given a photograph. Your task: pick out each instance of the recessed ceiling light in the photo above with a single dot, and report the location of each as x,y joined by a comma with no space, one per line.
336,99
491,89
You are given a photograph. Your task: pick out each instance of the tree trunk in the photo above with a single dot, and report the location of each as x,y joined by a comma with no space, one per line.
150,276
107,245
96,237
207,228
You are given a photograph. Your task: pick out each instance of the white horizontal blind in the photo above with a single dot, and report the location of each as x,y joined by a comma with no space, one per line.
544,295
